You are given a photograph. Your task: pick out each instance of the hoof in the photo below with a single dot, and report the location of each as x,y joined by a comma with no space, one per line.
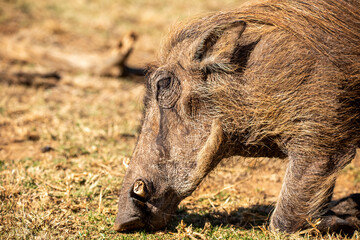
343,216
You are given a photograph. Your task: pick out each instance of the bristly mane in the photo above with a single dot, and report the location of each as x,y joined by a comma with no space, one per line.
325,36
310,21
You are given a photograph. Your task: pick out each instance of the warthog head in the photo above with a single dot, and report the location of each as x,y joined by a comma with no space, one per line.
180,140
274,79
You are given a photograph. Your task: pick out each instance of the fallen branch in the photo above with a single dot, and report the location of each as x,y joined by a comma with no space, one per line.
111,64
115,64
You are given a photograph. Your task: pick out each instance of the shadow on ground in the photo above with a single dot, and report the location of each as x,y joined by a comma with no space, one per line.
346,211
247,218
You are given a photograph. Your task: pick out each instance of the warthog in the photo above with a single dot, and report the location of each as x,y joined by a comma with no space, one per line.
274,79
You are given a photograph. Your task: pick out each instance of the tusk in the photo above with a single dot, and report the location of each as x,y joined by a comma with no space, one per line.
139,188
126,163
207,153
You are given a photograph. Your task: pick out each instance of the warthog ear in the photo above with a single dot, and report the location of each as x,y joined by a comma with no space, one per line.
217,45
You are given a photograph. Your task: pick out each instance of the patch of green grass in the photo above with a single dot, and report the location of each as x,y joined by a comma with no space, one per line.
54,8
2,165
73,151
25,7
28,162
30,183
357,176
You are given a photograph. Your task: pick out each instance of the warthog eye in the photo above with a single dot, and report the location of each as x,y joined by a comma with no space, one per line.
168,91
164,83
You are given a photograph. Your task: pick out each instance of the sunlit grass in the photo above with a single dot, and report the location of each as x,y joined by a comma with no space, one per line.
61,149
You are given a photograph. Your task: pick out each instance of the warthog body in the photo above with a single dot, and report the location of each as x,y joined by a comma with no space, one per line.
275,79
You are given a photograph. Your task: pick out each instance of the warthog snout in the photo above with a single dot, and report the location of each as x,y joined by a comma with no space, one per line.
131,216
144,208
128,224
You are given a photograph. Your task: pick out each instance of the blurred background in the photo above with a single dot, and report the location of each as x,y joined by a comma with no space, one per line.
70,108
91,25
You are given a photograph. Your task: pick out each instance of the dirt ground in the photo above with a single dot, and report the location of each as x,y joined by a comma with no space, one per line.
62,141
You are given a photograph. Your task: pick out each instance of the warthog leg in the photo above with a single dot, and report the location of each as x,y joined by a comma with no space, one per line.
306,192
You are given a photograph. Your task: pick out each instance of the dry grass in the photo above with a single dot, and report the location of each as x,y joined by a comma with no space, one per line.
75,183
61,148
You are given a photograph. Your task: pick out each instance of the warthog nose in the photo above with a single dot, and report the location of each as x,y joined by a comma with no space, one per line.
128,224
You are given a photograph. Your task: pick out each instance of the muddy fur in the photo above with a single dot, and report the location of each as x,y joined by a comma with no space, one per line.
281,78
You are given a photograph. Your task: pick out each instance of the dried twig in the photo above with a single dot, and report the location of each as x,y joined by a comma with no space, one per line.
112,64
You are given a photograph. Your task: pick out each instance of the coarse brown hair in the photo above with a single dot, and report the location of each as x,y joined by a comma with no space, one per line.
326,35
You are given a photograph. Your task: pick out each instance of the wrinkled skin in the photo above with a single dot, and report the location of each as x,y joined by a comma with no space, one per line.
165,158
257,87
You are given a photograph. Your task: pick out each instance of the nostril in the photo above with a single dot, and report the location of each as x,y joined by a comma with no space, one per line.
129,224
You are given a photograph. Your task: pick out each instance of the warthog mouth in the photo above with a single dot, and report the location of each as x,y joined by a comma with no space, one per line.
141,215
129,224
